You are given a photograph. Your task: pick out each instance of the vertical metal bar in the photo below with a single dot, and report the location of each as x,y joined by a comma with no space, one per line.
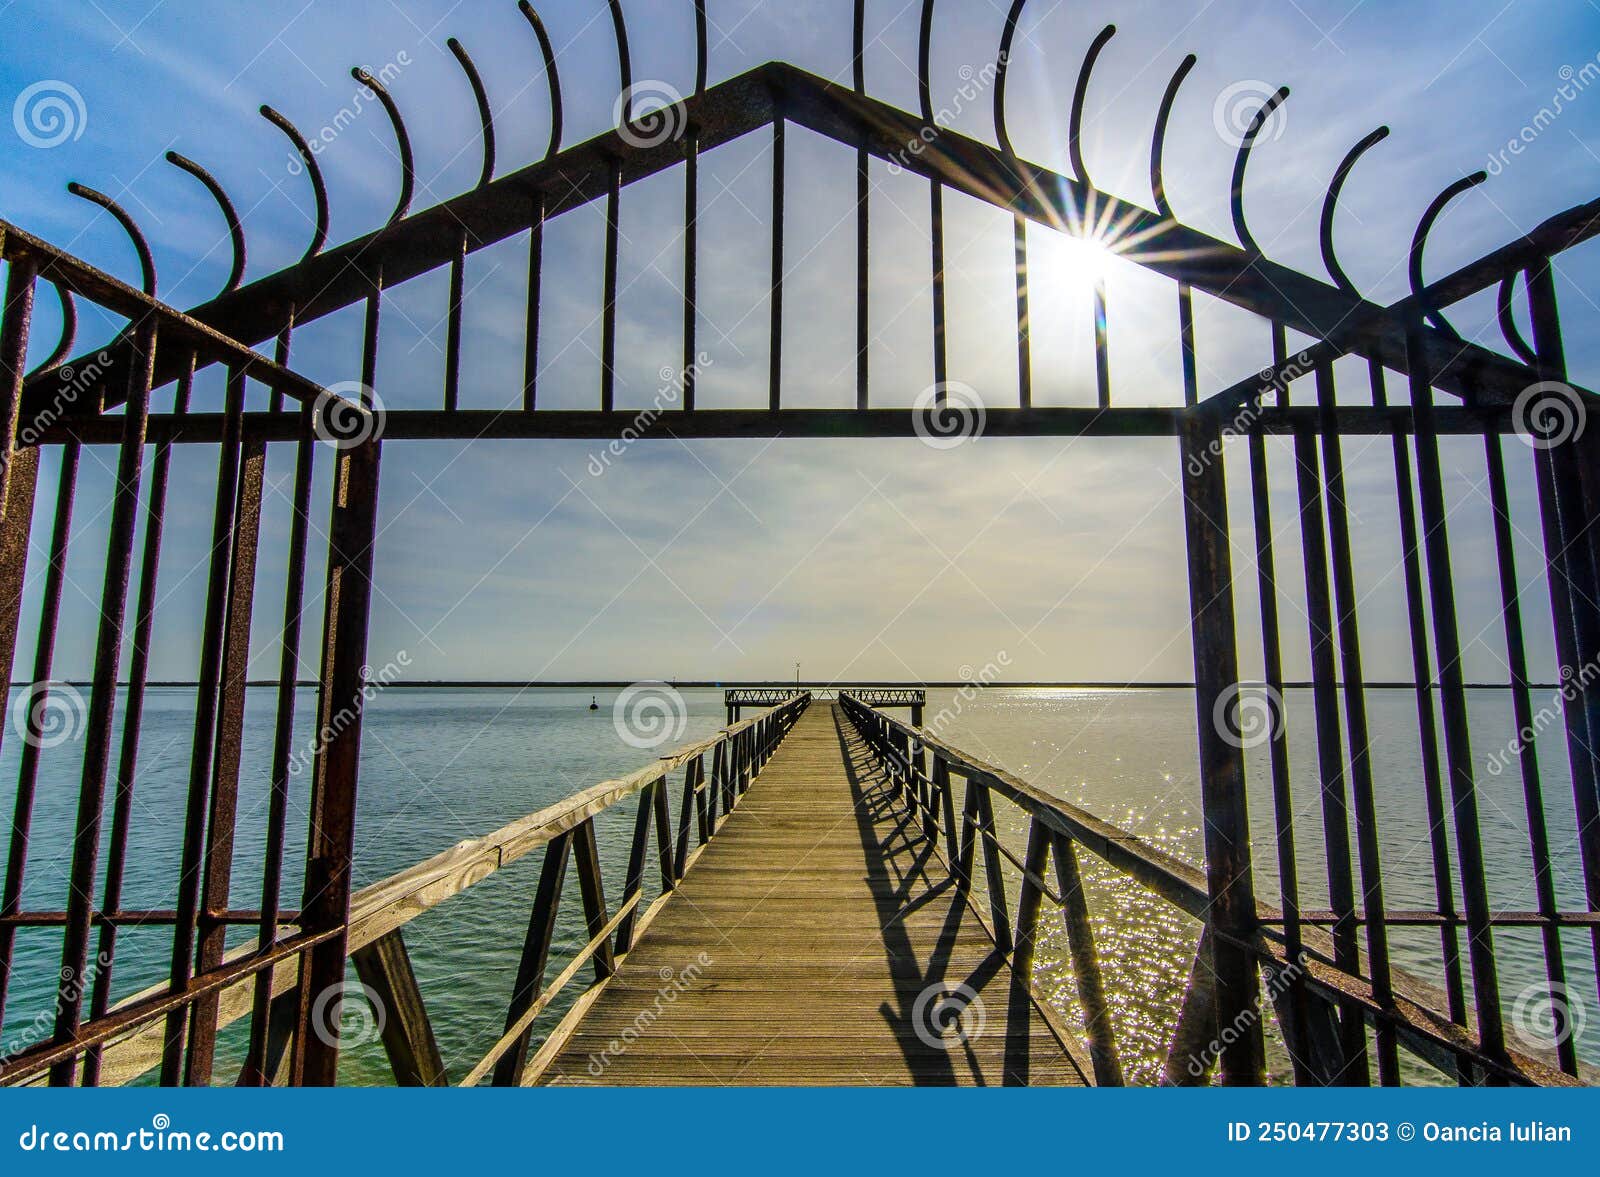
775,348
452,341
1330,752
21,281
1283,805
256,1070
18,483
1086,965
535,955
1191,382
1567,502
331,844
1222,778
608,319
863,288
1355,707
1458,743
38,693
1019,230
1527,753
281,355
691,264
330,841
1102,355
530,340
941,367
224,804
200,762
133,714
1422,675
103,695
16,530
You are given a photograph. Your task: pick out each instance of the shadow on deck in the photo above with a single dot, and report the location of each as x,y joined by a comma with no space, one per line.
818,940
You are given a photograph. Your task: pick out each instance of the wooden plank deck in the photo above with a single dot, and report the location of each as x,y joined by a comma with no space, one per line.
830,935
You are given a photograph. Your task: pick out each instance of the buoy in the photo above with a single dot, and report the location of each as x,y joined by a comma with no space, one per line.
593,706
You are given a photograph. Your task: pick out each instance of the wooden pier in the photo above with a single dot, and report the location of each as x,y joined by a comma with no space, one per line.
816,941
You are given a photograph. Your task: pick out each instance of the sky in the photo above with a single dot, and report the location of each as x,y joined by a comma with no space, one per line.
1045,559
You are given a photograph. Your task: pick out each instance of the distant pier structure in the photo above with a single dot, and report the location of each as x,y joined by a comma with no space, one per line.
737,698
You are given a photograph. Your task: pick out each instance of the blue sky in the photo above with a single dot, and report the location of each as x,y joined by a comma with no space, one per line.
859,559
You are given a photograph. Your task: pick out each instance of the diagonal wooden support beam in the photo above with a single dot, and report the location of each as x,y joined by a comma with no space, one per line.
1086,964
385,970
592,889
535,955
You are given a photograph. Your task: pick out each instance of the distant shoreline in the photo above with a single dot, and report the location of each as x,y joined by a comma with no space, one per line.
761,684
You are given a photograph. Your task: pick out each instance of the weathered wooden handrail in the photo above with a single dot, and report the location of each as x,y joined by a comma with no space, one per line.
132,1038
1056,825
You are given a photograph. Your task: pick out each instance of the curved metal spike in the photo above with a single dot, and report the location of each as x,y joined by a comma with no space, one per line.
69,329
547,50
925,61
408,166
235,227
702,53
1419,242
485,114
1002,62
1079,93
147,262
858,45
1508,321
319,187
1330,205
624,61
1158,142
1236,196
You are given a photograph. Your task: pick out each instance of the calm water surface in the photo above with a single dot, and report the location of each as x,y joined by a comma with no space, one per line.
440,766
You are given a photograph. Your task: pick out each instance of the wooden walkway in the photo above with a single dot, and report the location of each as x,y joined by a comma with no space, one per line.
816,941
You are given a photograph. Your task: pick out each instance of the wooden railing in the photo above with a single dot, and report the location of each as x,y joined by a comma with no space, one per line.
715,774
1305,985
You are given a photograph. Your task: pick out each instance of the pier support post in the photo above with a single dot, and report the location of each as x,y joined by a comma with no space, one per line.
1231,916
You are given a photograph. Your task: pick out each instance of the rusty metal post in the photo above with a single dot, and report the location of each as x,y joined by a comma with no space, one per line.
1567,501
21,281
1231,915
326,905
